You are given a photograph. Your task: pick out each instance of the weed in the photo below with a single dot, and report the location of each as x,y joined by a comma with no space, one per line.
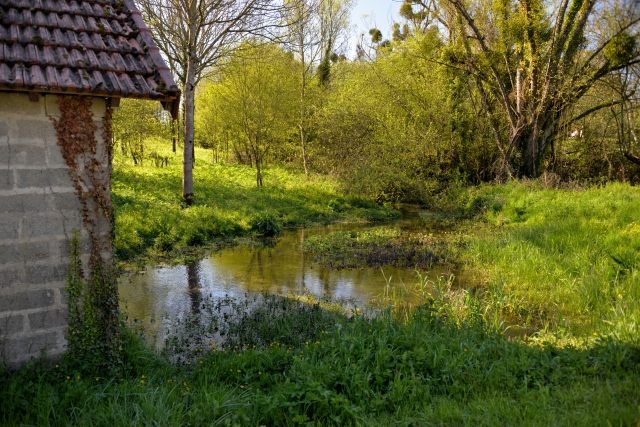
379,247
266,224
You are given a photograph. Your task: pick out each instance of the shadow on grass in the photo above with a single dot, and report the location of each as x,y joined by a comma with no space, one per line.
282,360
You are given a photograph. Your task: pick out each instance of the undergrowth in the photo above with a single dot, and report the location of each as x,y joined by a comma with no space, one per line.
570,258
152,222
441,363
381,247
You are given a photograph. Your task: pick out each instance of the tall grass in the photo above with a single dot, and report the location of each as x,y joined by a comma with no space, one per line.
151,218
440,366
572,258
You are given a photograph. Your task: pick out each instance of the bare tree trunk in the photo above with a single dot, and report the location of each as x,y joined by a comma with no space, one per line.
189,92
303,140
173,135
258,172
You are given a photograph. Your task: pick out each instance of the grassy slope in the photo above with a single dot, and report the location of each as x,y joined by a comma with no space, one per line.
150,217
572,256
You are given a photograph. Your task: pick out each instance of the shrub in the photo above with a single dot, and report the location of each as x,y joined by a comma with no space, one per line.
266,224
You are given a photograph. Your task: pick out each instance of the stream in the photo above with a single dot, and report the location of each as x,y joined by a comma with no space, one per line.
281,267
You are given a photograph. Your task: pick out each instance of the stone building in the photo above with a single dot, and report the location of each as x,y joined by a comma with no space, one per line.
63,65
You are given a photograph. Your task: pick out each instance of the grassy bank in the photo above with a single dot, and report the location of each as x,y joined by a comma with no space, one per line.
569,259
300,362
152,221
565,262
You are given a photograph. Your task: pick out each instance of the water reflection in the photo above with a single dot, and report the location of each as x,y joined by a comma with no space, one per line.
195,290
279,267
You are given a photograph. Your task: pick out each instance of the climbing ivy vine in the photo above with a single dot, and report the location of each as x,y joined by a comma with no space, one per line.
93,332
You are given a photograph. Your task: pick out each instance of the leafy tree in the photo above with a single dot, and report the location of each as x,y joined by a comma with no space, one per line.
134,122
254,99
533,60
316,29
194,35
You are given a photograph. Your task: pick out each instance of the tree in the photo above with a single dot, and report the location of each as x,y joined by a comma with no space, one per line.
254,99
532,60
193,35
135,121
626,83
314,34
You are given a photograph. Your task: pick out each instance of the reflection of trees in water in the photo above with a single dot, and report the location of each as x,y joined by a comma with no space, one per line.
303,236
325,283
193,281
255,264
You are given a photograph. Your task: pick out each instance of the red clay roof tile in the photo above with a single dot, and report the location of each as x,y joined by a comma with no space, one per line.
96,47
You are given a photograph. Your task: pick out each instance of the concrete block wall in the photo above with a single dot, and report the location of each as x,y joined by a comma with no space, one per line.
38,211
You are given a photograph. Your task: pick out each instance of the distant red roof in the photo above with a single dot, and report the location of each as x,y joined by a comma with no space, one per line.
95,47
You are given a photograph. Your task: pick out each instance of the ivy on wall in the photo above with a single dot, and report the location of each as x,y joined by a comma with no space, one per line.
93,332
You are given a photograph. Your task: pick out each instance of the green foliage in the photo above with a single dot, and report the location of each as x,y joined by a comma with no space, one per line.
251,104
403,140
378,248
376,35
620,49
134,123
318,364
93,342
266,224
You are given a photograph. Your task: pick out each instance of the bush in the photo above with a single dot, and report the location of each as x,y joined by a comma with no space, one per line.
266,224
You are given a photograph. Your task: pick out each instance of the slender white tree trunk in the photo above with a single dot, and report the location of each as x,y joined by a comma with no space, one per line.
189,92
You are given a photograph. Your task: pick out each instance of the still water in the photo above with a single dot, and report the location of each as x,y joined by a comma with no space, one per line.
282,267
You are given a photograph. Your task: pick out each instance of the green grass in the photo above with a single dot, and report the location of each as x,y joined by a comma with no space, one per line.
151,219
438,367
570,258
562,263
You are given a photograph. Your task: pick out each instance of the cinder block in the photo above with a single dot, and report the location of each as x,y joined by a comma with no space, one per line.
64,246
40,274
4,128
43,178
6,179
24,203
98,107
5,160
10,276
39,298
27,155
47,319
21,349
51,106
9,225
18,103
66,201
11,324
33,130
36,226
54,154
24,252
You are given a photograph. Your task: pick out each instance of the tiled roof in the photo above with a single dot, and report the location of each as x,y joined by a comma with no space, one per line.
92,47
